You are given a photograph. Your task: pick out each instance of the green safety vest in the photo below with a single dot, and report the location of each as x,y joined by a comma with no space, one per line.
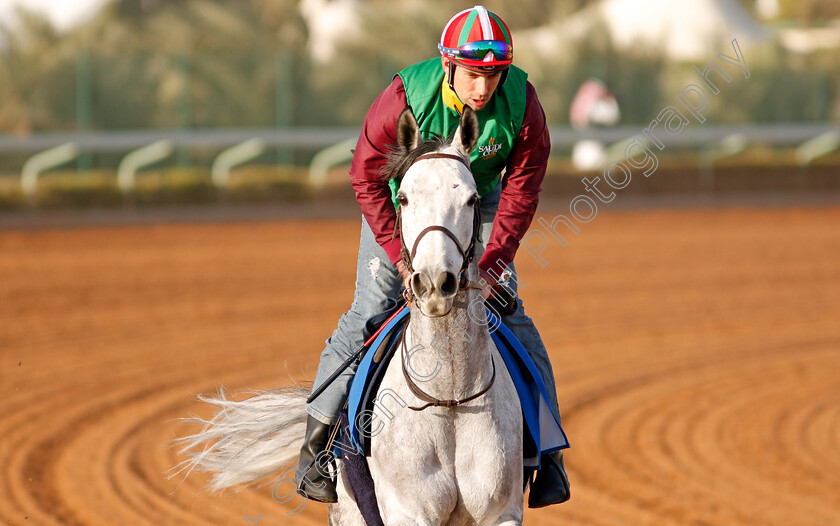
499,121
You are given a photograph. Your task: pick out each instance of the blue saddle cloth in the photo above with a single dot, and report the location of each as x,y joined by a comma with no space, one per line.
542,428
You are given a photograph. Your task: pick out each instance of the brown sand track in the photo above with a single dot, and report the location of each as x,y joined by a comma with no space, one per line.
697,357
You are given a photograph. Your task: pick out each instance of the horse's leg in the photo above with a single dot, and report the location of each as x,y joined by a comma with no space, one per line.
411,458
512,516
490,455
397,514
423,500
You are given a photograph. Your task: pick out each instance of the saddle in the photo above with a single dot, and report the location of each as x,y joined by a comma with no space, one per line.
542,432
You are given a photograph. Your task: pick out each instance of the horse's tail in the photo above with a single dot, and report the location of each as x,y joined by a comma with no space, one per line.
249,440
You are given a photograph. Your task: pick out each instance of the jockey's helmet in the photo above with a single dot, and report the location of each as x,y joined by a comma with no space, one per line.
478,40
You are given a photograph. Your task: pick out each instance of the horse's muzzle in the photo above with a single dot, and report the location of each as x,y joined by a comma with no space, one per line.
445,284
436,293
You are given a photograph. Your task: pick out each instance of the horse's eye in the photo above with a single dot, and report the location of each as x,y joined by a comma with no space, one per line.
402,199
473,200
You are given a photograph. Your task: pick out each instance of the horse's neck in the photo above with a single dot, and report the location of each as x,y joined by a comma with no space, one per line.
450,355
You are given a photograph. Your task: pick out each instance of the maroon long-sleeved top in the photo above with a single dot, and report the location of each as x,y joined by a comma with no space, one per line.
521,183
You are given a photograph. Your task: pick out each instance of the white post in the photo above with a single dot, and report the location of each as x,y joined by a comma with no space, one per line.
140,158
44,161
820,145
233,157
328,157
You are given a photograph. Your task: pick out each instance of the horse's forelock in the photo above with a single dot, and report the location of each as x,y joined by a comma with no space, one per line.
399,161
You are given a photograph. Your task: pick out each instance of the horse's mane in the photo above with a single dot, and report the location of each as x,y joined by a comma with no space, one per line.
399,161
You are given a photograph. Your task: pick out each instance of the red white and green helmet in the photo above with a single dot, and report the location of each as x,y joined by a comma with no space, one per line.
478,40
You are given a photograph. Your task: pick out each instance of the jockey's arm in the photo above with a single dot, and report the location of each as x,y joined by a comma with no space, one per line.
521,186
379,132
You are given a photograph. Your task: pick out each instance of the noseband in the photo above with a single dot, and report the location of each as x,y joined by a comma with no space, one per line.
466,255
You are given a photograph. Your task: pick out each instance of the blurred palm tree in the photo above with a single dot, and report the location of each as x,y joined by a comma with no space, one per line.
809,11
202,63
153,64
30,52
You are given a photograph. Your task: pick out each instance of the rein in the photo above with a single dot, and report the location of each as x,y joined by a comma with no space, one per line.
463,283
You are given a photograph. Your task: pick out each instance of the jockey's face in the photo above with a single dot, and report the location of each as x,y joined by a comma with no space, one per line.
473,88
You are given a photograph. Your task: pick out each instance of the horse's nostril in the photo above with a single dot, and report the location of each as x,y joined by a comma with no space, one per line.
448,284
419,286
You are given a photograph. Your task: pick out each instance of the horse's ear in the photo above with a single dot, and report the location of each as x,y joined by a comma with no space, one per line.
408,133
466,136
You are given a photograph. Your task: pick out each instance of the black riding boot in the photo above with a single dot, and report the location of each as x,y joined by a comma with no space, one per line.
551,485
311,477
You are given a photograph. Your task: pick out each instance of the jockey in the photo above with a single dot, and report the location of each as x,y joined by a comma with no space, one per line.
475,70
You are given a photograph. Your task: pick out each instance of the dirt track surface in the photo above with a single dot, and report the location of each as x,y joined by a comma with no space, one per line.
696,353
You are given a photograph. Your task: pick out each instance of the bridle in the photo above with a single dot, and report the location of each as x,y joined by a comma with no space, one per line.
463,283
466,255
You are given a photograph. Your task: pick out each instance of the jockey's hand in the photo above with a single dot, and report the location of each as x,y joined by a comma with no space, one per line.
486,282
498,297
406,275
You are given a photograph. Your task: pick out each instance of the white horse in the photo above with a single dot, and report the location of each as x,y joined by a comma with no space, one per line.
459,460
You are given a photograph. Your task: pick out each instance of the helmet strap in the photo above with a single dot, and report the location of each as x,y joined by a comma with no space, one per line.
503,77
